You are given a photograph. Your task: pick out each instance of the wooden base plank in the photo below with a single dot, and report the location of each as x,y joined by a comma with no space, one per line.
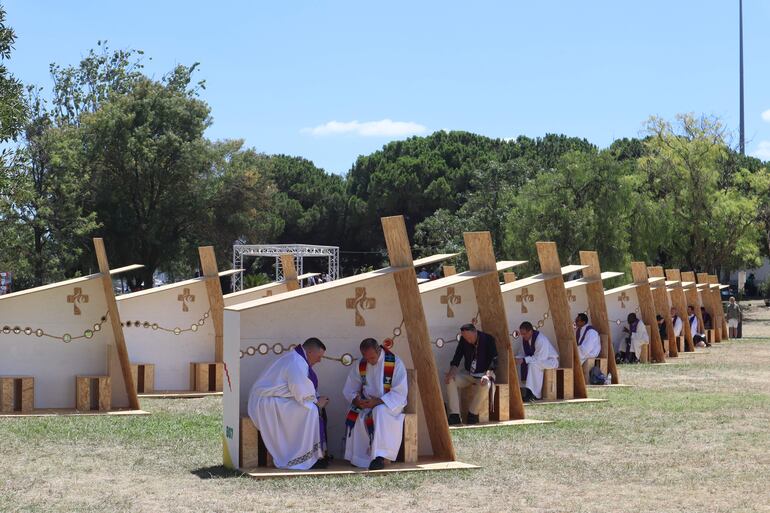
179,394
567,401
65,412
343,468
520,422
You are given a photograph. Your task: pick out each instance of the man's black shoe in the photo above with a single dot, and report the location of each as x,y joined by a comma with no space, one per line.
472,419
320,464
377,463
454,419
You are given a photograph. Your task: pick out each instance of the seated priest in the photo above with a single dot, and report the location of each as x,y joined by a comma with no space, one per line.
676,320
377,391
286,409
537,355
698,336
479,352
636,335
588,340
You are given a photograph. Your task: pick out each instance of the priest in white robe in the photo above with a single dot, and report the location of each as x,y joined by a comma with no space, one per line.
588,340
285,407
537,354
636,336
377,391
676,320
698,336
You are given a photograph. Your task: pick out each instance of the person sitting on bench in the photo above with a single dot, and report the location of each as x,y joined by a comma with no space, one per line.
636,335
661,327
537,355
479,351
588,341
677,322
698,337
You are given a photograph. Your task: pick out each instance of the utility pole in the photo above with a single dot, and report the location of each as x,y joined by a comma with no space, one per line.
741,130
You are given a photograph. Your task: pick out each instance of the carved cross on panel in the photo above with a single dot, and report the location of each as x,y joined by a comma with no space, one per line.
623,298
450,299
359,303
185,297
76,297
524,298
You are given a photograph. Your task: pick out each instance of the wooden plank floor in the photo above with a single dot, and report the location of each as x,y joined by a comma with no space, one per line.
521,422
177,394
567,401
343,468
64,412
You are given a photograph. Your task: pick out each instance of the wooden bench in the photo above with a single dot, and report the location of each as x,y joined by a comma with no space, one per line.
591,363
557,384
710,336
645,356
93,393
144,377
253,453
466,397
17,394
206,376
680,343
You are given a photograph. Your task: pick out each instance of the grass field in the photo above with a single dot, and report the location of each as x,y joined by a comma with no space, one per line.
694,436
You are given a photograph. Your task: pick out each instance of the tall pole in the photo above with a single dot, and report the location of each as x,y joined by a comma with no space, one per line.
740,46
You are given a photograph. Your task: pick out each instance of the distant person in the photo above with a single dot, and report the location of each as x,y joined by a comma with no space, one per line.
537,355
588,340
676,320
698,336
734,315
479,351
661,327
423,274
707,324
636,335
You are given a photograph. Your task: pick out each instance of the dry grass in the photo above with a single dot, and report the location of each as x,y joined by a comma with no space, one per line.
689,437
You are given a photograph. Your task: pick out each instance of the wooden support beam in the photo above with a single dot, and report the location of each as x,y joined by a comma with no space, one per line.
707,299
718,294
400,255
597,308
489,298
647,310
449,270
693,299
679,301
663,307
117,328
289,271
561,315
216,301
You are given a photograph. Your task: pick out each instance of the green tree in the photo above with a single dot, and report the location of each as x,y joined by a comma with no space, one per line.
12,105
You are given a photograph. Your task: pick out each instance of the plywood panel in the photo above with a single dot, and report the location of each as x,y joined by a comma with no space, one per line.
679,301
647,309
214,292
693,298
663,308
597,307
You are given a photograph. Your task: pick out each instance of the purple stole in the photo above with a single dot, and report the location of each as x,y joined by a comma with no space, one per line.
529,350
312,376
577,332
634,325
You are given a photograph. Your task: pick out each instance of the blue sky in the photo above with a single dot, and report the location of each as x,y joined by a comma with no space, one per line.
333,80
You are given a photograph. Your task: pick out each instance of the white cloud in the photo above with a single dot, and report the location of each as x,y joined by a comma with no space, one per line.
766,115
763,150
382,128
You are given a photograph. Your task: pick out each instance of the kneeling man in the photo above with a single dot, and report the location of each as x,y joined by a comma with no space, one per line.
377,391
284,406
538,354
588,341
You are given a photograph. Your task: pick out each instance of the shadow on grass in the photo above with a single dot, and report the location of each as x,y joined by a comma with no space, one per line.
217,472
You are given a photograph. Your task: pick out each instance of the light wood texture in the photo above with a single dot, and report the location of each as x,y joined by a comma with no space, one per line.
509,277
663,308
693,299
343,468
597,308
17,394
679,301
117,329
86,387
560,314
252,453
449,270
289,272
713,280
144,377
713,304
432,259
647,310
216,301
489,298
502,403
405,279
409,441
466,397
558,384
206,376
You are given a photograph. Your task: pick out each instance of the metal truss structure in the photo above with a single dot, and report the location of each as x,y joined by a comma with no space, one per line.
299,251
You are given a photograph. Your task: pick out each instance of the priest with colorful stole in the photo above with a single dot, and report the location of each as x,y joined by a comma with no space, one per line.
377,391
537,355
588,341
286,409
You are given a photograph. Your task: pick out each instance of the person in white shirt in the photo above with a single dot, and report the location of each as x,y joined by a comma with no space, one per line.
588,340
698,336
636,335
676,320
